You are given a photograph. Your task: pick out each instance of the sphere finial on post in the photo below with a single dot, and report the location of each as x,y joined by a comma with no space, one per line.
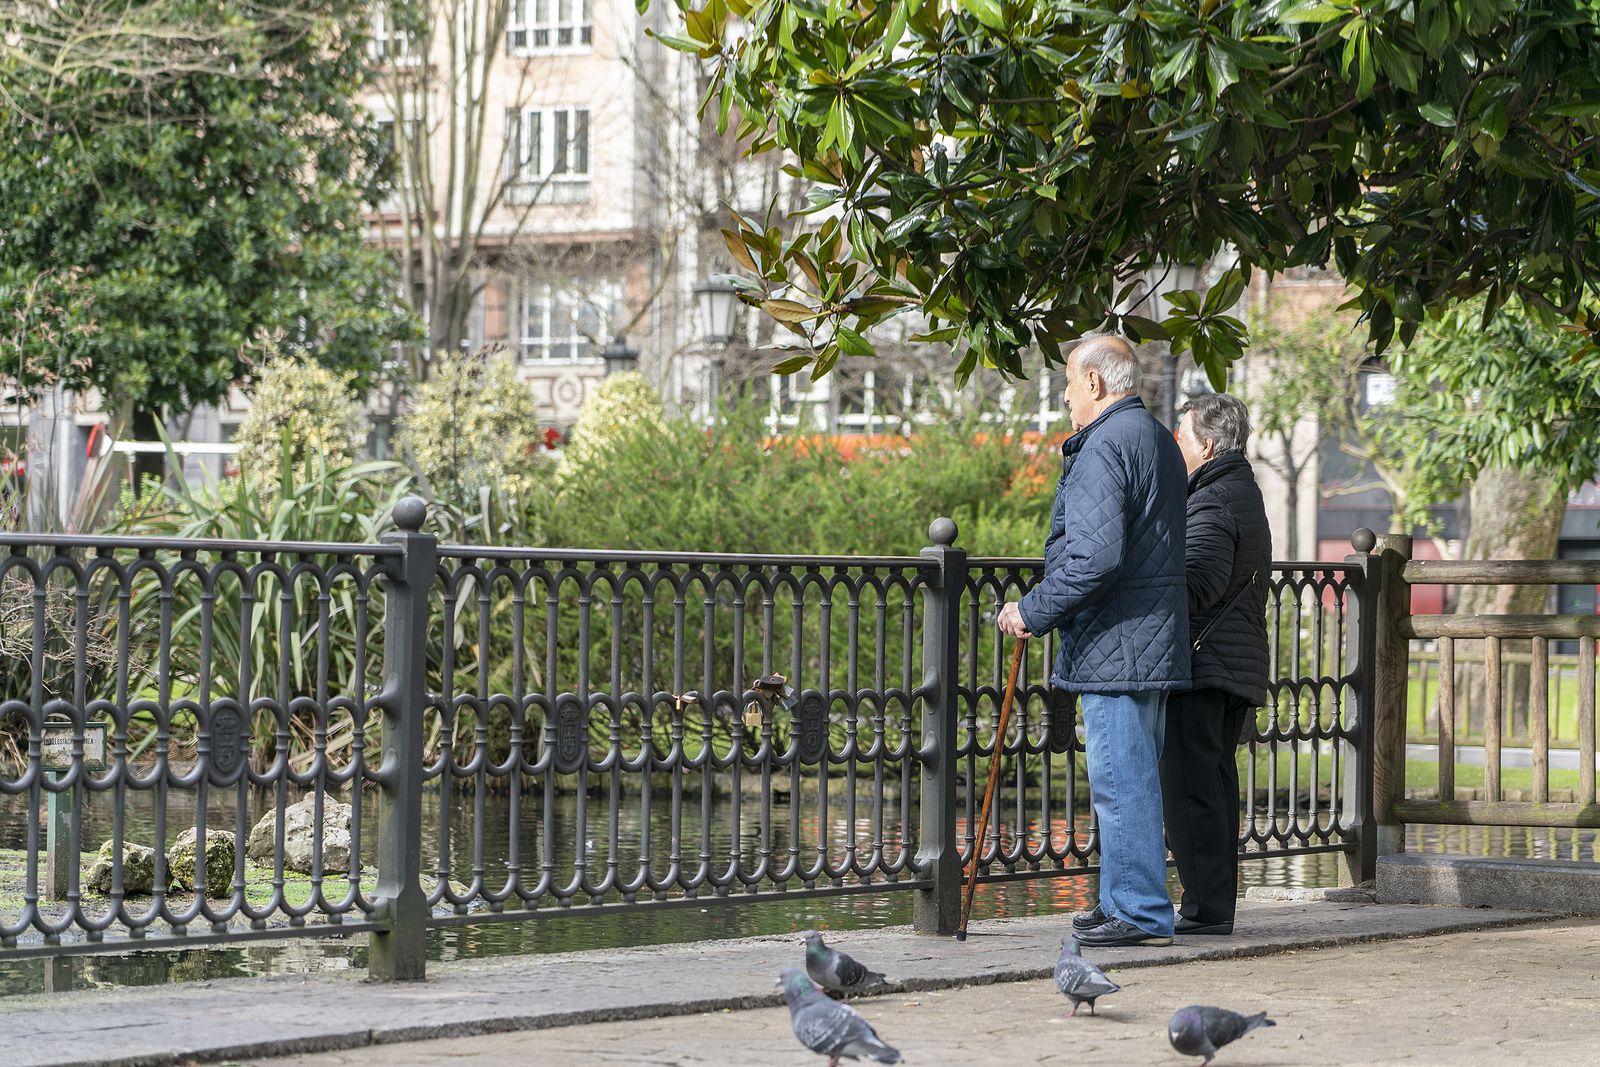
942,531
410,513
1363,540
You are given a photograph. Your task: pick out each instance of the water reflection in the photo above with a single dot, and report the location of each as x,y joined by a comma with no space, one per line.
577,929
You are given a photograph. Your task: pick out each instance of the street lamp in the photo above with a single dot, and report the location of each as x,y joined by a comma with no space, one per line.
1164,280
718,298
619,357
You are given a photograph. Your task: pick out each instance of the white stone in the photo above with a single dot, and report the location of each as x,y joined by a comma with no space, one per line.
299,844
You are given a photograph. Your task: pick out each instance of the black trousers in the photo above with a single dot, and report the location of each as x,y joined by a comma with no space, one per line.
1200,799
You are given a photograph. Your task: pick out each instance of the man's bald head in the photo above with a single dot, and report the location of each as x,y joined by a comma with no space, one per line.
1113,359
1100,372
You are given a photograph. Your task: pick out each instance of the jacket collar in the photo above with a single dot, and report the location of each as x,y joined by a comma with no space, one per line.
1214,470
1076,442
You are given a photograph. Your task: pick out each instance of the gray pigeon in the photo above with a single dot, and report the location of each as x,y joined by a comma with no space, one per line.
834,970
1200,1031
827,1027
1079,978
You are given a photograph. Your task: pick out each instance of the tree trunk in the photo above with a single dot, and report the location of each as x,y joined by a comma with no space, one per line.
1514,516
146,464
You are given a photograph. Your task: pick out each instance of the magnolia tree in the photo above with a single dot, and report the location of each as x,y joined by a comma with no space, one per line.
1014,169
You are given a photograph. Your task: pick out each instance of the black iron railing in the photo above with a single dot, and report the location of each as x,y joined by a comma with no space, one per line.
407,735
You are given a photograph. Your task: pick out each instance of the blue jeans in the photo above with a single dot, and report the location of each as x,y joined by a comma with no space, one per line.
1123,734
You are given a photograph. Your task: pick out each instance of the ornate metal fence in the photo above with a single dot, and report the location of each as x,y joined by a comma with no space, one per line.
164,684
407,735
1302,768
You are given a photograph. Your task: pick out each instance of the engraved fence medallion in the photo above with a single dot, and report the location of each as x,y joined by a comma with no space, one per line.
572,733
227,745
1063,720
811,727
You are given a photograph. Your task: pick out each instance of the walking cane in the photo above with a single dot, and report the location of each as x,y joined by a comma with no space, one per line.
988,791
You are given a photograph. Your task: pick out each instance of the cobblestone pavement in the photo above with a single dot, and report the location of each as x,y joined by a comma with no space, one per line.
1520,995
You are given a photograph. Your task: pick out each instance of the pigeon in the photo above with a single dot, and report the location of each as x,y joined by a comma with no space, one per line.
829,1028
834,970
1200,1031
1079,978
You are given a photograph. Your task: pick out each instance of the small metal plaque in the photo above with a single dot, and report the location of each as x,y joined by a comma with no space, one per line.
227,731
811,727
1063,720
55,746
572,733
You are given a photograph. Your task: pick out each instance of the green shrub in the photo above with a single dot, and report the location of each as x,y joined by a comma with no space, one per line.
309,406
473,426
621,405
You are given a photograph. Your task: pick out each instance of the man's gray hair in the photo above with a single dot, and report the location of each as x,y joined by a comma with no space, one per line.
1221,419
1113,359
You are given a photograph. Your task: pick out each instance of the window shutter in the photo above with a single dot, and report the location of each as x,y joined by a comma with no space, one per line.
580,142
562,148
533,148
513,153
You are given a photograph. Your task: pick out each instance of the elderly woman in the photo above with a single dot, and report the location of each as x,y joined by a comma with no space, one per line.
1228,552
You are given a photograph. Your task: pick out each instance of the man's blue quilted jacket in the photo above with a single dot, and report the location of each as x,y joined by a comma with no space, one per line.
1114,582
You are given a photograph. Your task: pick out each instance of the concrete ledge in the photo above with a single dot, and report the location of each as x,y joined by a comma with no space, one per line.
1362,894
1561,887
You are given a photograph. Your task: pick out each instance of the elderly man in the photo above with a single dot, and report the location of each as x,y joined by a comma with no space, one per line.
1229,563
1113,587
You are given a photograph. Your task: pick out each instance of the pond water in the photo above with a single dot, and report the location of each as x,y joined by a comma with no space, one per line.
579,928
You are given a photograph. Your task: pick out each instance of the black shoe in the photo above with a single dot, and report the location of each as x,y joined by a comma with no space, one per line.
1088,920
1195,926
1114,933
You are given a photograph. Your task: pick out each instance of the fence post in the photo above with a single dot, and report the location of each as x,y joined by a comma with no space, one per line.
1391,654
937,909
1361,865
399,953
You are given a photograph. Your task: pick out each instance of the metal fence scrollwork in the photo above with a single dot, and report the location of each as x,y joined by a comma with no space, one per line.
320,738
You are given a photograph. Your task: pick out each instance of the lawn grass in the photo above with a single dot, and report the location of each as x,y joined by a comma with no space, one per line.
1422,693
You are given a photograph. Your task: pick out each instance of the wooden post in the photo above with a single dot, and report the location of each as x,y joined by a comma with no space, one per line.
1391,660
58,862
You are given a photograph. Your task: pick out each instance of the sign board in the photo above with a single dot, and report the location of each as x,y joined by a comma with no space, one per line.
55,746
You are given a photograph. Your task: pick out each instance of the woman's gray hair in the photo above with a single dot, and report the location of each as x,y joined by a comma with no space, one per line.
1221,419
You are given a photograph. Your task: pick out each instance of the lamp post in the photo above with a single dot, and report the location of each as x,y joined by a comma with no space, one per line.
1166,279
620,357
718,300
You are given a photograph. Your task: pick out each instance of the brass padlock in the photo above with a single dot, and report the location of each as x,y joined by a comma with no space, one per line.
752,716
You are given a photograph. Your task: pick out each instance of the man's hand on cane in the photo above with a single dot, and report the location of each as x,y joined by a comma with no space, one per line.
1010,621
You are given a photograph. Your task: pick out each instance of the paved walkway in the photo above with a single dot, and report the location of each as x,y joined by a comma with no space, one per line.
248,1019
1522,996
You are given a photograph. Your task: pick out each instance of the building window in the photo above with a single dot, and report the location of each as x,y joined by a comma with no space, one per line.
546,25
563,323
1052,399
391,42
547,155
494,312
401,141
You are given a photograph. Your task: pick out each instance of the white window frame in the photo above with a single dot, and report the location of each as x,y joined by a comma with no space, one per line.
543,27
406,184
391,45
561,308
549,154
1052,408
